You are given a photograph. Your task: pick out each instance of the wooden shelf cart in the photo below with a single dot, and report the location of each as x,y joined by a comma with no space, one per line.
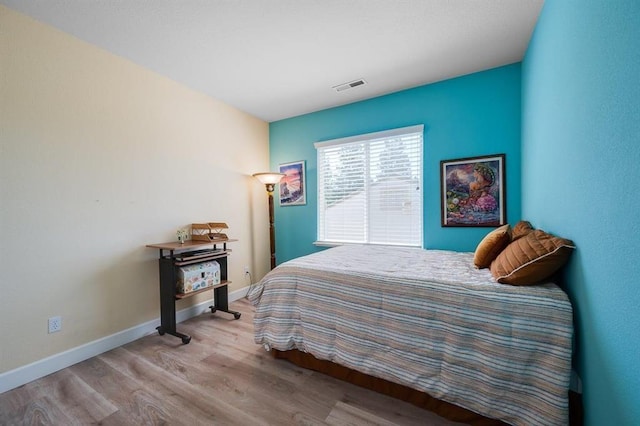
175,255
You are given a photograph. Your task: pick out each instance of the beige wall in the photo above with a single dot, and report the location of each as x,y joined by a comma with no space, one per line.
99,157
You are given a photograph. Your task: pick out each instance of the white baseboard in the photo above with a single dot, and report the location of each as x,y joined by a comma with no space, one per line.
13,378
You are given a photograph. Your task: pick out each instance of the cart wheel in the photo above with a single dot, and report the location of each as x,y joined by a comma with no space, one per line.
186,339
237,315
160,331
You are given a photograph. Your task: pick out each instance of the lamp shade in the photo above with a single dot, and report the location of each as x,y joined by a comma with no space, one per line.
268,177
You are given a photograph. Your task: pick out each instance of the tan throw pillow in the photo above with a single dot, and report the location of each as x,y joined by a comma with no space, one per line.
520,229
531,259
491,246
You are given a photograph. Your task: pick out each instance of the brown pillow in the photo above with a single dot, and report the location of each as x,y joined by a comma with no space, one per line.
491,246
521,229
531,259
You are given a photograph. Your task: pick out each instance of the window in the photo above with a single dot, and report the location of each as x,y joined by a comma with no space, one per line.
370,188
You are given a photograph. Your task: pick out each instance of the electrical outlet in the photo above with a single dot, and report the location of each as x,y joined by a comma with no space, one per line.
55,324
246,270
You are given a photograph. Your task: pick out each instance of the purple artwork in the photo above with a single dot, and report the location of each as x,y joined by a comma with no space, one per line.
473,191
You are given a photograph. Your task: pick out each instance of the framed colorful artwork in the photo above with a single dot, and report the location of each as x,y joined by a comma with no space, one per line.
473,191
293,184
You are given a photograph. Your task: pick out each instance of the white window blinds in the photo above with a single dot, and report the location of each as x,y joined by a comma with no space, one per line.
370,188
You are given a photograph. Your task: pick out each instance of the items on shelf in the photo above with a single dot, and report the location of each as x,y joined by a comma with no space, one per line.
182,235
211,231
198,276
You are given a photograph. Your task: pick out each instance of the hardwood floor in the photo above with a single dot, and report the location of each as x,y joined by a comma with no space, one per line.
220,378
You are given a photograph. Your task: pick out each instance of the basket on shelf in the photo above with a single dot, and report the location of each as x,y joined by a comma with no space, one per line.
211,231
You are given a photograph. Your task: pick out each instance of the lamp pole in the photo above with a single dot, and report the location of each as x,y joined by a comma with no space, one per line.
272,227
270,180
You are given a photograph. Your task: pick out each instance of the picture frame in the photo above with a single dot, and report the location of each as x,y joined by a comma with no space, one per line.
473,191
293,185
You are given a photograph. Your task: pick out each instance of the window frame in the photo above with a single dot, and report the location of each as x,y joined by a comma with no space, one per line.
366,140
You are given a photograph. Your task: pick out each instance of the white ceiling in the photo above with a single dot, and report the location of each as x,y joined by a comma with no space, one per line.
280,58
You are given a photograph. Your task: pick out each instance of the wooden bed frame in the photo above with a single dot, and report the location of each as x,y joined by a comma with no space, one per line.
420,399
404,393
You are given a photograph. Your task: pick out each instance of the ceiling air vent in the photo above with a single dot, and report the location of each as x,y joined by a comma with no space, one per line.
350,85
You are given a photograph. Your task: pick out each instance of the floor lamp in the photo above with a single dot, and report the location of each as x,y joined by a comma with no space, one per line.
270,180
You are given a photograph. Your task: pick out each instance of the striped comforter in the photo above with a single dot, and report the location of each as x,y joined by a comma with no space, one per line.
429,320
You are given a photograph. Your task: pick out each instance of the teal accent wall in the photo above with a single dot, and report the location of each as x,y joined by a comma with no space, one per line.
581,156
477,114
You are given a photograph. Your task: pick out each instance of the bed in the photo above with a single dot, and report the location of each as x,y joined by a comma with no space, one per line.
427,320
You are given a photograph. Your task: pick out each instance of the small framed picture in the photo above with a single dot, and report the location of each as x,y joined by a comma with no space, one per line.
293,184
473,191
